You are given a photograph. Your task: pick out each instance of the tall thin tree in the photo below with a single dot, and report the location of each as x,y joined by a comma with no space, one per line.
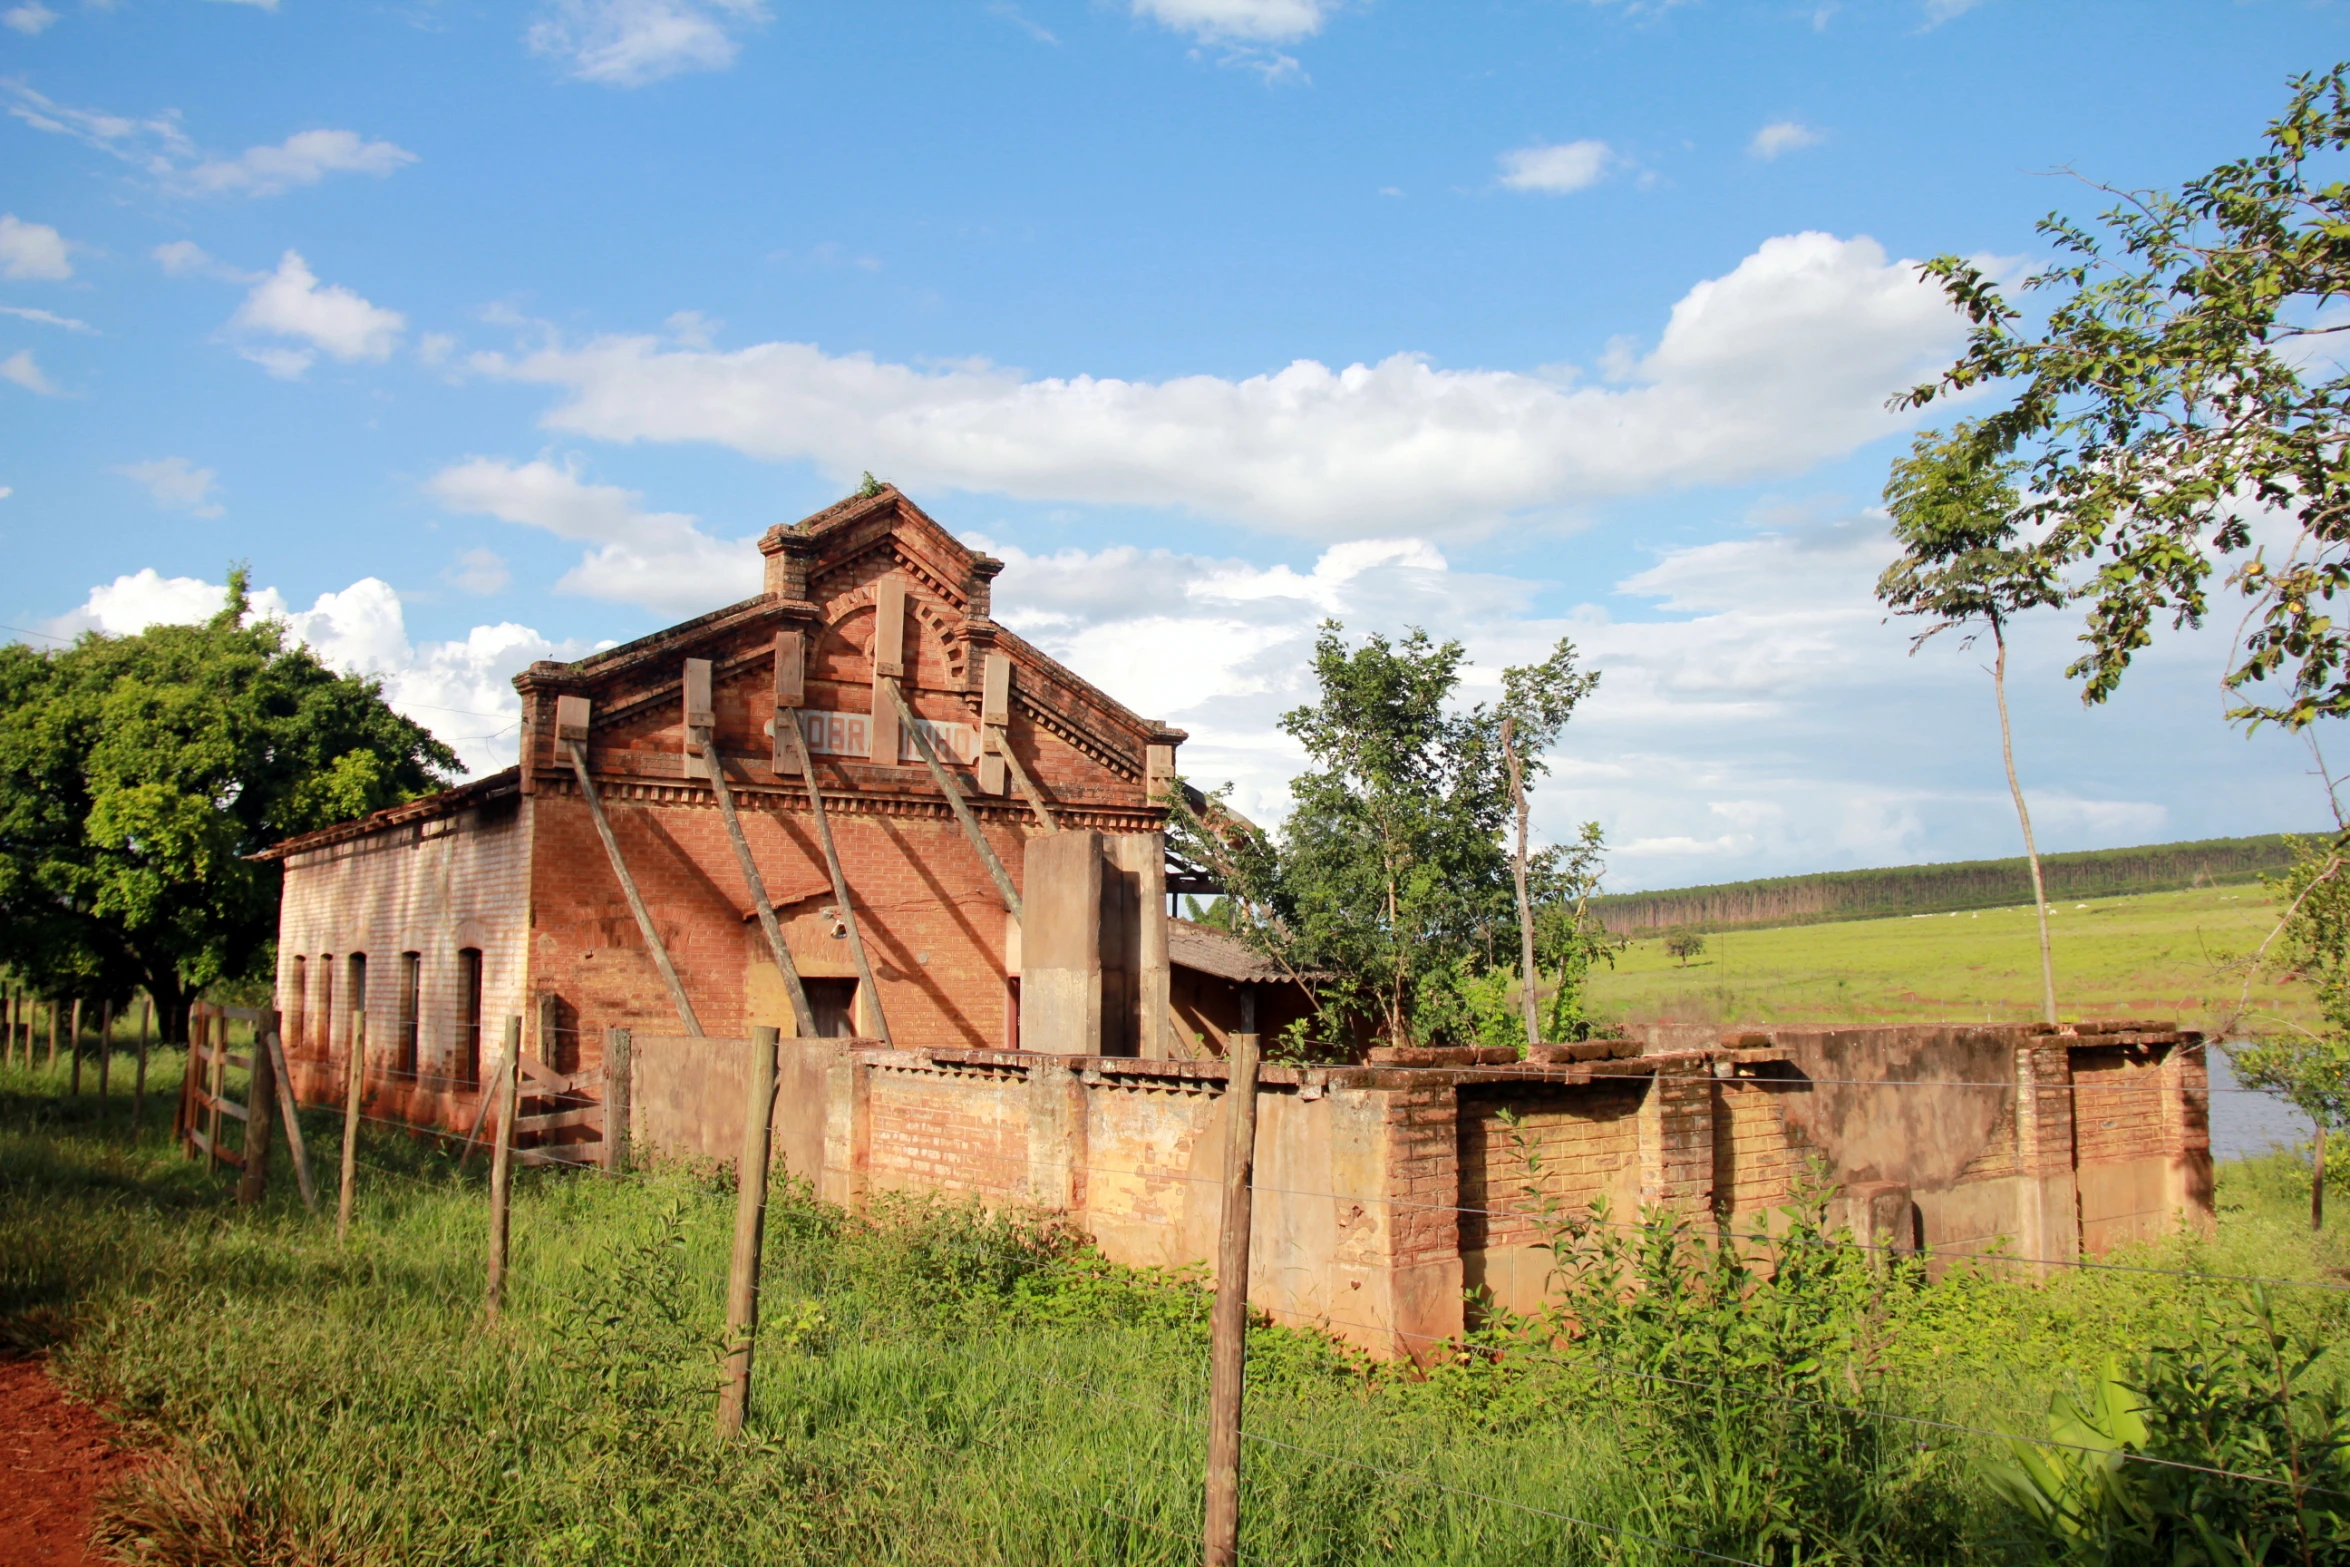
1964,564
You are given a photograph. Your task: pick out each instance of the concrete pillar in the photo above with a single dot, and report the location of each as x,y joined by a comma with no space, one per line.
2048,1193
1056,1136
1060,945
1142,858
848,1129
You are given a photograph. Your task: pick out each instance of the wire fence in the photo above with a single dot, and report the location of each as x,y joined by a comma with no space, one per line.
327,1059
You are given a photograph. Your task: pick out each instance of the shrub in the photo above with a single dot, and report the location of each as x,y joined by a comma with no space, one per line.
2223,1452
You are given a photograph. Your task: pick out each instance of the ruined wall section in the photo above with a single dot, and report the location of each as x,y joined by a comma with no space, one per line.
434,888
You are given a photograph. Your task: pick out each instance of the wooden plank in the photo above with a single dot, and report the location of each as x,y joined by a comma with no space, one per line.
563,1157
224,1155
242,1014
636,902
557,1120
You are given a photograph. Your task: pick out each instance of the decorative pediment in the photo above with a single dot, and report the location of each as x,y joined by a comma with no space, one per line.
872,589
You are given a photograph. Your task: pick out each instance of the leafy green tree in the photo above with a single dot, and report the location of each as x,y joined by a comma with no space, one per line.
138,773
1684,945
1390,874
1963,565
2180,401
2310,1068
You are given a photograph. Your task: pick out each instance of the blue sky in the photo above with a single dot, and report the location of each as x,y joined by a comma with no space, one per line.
488,333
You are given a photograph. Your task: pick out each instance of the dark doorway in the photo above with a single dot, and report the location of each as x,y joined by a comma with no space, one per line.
833,1005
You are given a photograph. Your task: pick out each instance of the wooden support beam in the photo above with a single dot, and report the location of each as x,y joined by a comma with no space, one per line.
946,786
1044,812
803,1016
502,1171
636,902
840,880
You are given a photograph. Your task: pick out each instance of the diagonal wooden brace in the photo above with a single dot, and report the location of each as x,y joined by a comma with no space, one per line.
636,902
789,721
946,786
803,1017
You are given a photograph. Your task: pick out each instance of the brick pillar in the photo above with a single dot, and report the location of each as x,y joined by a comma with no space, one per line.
2186,1135
1676,1130
1421,1288
2048,1193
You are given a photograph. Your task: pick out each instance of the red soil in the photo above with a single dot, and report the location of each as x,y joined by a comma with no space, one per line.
55,1457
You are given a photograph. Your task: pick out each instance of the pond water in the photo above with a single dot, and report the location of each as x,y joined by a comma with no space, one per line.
2245,1123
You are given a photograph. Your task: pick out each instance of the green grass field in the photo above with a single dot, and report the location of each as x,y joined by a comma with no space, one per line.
2165,954
943,1386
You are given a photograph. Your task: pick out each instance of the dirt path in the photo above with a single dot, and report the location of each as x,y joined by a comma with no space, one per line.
54,1459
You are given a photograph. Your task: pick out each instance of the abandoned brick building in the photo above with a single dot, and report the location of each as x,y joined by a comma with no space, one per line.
953,845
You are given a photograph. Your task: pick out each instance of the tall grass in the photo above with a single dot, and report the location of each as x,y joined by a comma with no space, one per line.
935,1385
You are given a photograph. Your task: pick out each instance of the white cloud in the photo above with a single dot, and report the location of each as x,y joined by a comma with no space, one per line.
1755,716
661,560
291,302
46,318
155,145
1244,21
258,5
462,690
21,368
32,19
304,158
1782,136
1556,170
159,146
1940,11
478,571
31,250
178,484
629,43
1786,360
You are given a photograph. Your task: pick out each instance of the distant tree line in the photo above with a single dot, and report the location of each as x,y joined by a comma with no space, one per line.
1942,889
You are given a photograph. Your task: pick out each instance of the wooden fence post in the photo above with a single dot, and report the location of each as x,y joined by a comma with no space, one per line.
56,1017
139,1082
215,1079
619,1051
502,1161
260,1105
354,1090
288,1108
76,1046
750,1219
105,1049
1228,1327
